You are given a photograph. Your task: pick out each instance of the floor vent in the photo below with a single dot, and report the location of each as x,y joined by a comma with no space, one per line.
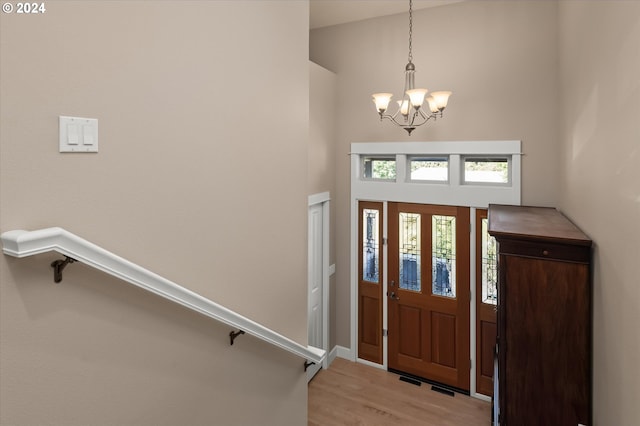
410,380
444,391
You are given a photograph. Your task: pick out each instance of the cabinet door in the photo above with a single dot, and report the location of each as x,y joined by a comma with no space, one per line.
546,341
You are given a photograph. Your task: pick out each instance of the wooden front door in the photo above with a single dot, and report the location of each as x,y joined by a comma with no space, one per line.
370,281
486,299
428,292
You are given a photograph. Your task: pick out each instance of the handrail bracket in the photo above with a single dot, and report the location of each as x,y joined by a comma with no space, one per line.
59,265
233,335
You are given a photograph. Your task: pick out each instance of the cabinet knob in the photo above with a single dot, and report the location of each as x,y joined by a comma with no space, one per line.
545,252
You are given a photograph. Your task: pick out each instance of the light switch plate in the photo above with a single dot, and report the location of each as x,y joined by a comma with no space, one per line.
78,134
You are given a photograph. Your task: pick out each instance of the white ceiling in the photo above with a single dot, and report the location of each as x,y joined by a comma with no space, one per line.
324,13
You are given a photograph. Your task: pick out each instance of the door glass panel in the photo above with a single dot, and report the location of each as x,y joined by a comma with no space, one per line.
489,266
370,245
409,244
443,266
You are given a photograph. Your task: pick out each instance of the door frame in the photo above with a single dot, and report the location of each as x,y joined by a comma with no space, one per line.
324,199
453,192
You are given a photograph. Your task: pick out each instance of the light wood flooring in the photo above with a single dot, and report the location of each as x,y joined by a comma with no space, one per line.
349,393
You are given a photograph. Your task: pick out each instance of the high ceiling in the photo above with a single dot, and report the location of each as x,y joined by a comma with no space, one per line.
325,13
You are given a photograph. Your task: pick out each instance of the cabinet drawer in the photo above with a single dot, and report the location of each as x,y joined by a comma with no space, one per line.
545,250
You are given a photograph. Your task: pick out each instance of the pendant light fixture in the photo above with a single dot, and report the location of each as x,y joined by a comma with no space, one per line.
410,113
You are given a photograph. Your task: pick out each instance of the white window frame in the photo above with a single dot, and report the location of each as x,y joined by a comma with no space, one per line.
454,192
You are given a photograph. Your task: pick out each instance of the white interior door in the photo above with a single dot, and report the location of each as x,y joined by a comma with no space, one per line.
315,282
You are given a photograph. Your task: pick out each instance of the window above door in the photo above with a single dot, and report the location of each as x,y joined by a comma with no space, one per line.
470,173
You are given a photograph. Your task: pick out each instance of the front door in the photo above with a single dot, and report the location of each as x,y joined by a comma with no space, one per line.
428,292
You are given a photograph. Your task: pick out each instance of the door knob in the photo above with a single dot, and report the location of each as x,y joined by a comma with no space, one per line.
393,296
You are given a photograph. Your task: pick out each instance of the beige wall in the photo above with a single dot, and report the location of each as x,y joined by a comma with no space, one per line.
322,124
499,58
184,184
322,152
600,68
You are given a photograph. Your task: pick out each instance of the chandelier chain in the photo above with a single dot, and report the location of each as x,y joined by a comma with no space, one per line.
410,28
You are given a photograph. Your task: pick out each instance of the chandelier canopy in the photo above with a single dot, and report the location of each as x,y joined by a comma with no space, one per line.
410,113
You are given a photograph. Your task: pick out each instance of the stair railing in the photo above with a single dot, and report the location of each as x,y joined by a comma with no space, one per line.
20,244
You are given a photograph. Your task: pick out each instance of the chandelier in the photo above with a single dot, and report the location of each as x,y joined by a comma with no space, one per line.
410,113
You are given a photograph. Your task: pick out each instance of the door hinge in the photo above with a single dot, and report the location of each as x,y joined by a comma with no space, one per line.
385,332
470,364
384,241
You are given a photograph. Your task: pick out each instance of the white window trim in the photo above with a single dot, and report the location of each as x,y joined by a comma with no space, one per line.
454,192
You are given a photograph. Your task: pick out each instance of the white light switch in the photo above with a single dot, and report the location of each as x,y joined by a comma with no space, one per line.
78,134
72,134
87,135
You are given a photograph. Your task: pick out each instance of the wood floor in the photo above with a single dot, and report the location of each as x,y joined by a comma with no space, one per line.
349,393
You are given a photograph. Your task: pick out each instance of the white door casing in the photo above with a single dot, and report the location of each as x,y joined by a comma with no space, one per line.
318,275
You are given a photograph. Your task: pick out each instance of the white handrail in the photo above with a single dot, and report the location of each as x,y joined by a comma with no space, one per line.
28,243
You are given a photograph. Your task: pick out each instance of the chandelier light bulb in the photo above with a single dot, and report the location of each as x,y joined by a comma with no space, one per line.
403,106
417,97
382,101
432,105
441,99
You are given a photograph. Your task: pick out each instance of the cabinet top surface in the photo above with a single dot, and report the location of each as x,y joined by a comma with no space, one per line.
541,223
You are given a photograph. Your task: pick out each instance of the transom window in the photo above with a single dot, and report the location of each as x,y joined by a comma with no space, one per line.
380,168
486,170
429,169
443,168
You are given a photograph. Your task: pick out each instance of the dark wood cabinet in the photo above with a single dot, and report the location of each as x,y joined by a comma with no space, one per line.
544,317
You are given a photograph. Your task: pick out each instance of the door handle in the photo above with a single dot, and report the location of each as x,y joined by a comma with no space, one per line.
393,296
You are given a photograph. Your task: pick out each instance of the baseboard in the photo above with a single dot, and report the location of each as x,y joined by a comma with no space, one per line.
481,397
371,364
345,353
333,353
